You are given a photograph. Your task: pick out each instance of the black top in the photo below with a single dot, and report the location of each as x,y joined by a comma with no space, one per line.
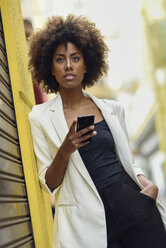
99,156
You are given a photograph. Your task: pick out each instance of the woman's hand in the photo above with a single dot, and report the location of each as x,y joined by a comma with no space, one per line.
150,189
56,171
75,140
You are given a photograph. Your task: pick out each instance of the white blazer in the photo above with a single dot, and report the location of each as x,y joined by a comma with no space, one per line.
79,213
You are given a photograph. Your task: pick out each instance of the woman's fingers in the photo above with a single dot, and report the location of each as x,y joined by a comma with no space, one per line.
87,136
83,140
83,144
75,140
84,131
72,129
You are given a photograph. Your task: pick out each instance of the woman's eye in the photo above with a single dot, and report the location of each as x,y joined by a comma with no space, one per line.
76,58
59,60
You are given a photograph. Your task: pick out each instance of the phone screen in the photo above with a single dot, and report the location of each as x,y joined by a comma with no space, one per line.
85,121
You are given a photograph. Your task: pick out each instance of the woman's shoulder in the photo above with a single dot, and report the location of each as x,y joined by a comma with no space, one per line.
40,110
116,105
113,104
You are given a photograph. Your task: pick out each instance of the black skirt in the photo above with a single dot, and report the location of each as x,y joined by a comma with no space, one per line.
132,218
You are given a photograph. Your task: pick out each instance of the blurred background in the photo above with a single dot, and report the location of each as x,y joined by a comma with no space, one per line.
135,31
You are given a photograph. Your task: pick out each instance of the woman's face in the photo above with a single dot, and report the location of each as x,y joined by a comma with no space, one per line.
68,66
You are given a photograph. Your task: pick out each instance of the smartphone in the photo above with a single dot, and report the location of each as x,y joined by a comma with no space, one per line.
84,121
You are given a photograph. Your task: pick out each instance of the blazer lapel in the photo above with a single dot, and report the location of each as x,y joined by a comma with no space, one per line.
58,119
120,140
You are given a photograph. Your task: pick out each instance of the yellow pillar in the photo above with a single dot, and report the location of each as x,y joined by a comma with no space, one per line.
23,97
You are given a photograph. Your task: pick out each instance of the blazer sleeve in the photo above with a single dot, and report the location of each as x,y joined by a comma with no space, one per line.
41,149
121,115
119,111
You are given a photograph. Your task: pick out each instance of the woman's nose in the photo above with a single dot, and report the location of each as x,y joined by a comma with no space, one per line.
68,64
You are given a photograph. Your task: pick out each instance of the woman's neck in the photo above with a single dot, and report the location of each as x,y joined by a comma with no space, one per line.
72,98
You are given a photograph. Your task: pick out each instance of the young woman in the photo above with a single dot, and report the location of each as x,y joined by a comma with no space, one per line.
102,199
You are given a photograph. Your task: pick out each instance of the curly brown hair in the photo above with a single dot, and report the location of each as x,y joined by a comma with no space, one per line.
82,33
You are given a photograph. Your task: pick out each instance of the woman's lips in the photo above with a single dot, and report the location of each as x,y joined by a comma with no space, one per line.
69,76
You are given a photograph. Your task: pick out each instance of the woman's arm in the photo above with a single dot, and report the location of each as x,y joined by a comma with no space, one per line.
51,171
74,140
150,188
55,172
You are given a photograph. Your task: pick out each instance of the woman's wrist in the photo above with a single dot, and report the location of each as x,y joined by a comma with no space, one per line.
143,180
150,188
63,152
